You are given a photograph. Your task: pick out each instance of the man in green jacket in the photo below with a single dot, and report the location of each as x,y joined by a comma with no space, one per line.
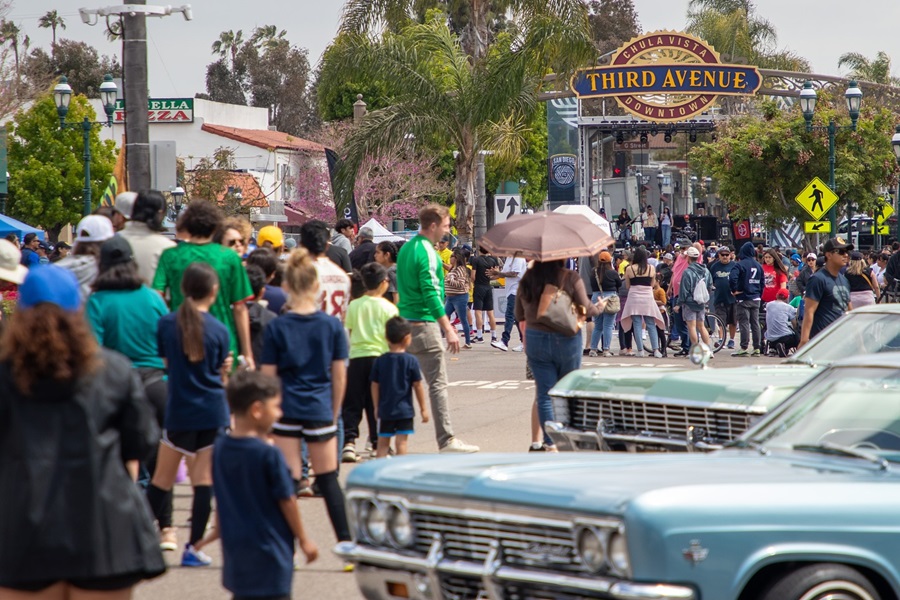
420,285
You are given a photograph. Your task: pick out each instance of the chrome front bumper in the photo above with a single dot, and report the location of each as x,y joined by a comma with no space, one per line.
381,573
568,439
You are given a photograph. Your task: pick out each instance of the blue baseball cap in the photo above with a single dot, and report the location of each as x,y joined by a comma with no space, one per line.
796,257
50,284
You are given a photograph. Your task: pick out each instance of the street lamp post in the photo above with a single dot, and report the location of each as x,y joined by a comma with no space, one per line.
853,98
895,144
177,200
62,96
690,209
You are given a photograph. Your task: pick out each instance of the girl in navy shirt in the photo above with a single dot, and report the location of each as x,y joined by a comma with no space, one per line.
307,348
196,348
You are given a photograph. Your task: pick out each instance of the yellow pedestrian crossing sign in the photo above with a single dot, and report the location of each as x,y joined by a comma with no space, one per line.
882,230
883,213
816,198
816,227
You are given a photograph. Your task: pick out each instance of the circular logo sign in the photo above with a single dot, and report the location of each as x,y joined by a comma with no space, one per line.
666,76
562,170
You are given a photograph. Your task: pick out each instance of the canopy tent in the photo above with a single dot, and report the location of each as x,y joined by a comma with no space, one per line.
381,233
9,225
581,209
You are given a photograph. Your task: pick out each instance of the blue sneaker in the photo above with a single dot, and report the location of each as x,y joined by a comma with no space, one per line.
194,558
730,344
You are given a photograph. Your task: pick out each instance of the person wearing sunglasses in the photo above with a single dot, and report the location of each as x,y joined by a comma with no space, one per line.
828,291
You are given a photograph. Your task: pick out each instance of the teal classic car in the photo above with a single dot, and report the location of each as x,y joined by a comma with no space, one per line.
638,408
803,506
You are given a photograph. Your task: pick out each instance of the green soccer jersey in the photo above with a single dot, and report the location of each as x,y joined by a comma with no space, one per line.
234,286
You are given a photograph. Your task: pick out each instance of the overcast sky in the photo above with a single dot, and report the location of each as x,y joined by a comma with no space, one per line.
178,51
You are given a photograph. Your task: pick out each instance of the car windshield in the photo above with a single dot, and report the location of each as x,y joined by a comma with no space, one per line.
855,334
849,409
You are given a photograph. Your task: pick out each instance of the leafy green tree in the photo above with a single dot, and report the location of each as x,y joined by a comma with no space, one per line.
228,45
52,21
447,98
336,94
47,164
877,70
761,162
531,168
613,22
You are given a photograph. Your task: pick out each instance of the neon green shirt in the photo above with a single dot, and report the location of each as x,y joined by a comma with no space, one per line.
420,281
366,318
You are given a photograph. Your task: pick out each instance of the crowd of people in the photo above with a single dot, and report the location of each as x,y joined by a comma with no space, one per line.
247,360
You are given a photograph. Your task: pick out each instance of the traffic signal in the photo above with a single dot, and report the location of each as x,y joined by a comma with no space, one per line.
619,165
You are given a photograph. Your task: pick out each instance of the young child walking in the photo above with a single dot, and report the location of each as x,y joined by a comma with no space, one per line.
307,348
395,376
366,320
257,516
196,348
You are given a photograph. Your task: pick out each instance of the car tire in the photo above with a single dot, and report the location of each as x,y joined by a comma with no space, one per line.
821,581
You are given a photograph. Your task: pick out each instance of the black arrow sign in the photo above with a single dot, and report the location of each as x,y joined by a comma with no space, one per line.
512,205
818,226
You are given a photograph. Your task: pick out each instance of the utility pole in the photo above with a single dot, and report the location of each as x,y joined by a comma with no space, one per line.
480,198
137,130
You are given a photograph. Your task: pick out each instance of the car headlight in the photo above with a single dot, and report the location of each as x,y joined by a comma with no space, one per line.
591,550
373,521
400,526
618,554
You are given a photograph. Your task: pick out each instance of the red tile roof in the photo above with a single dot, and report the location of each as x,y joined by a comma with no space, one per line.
264,138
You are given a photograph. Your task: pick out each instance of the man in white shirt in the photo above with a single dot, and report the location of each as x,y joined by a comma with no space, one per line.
512,271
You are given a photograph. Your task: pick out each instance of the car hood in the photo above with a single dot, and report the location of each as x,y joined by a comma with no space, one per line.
761,386
606,483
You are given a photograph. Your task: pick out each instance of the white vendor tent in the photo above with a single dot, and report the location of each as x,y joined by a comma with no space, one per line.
581,209
380,232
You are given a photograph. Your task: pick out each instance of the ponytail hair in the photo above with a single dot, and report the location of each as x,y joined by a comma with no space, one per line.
300,275
198,282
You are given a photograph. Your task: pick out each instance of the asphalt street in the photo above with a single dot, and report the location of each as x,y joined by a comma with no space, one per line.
491,406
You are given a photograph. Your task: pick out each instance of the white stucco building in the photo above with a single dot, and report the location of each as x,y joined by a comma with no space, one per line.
197,128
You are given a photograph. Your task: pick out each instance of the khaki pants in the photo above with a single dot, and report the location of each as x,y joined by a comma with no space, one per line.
428,347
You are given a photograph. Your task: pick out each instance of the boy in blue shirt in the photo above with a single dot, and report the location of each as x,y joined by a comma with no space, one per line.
258,517
395,376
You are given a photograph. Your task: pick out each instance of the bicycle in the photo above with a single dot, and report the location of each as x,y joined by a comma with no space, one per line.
718,334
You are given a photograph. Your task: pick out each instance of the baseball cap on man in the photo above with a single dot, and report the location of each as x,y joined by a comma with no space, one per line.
115,251
50,284
10,269
692,252
125,203
837,243
782,294
811,256
270,234
94,228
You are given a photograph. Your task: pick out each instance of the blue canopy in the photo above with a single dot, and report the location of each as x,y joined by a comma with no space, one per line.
9,225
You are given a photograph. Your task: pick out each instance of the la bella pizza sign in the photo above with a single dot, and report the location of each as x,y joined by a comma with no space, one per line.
161,110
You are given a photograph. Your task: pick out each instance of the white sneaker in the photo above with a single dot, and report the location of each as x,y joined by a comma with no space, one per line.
657,354
499,345
519,348
640,354
457,446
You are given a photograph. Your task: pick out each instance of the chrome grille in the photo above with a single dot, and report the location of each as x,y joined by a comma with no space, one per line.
521,544
661,420
466,588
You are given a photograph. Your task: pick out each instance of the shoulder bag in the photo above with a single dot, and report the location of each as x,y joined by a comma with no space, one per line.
558,312
612,304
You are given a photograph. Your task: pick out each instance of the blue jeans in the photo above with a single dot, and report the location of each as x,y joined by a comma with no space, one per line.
637,324
458,303
603,324
551,356
509,319
679,328
650,234
666,235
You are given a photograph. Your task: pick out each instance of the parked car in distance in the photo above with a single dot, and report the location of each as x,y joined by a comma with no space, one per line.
803,506
637,408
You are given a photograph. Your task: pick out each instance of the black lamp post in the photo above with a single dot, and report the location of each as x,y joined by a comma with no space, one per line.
62,96
895,144
853,98
177,199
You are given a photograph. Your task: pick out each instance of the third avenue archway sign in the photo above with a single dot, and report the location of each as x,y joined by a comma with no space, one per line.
666,76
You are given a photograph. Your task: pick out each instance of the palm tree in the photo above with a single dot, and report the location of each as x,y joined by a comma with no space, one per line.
877,70
9,34
51,20
229,43
440,94
267,36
